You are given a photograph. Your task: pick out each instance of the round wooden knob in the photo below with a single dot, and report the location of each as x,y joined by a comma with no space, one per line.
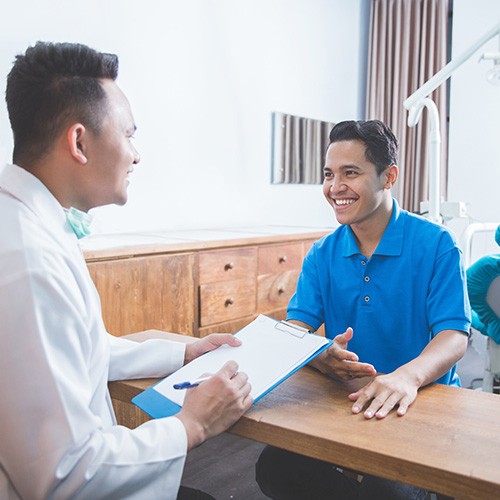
282,259
228,266
229,302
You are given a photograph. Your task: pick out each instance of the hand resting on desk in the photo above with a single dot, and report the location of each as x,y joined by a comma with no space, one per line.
378,394
381,393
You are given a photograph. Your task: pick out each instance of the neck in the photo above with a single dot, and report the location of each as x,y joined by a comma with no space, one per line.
56,178
368,233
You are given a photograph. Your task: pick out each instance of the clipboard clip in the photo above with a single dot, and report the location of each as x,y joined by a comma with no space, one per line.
292,329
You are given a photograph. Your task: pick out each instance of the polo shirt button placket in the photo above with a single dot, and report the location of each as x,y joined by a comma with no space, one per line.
366,279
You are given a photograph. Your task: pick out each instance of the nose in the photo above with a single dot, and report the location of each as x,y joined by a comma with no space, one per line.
137,157
336,185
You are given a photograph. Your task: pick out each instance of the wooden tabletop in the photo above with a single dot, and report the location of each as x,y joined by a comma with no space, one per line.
449,441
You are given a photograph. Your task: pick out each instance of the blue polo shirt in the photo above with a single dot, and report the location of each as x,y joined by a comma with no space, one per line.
411,288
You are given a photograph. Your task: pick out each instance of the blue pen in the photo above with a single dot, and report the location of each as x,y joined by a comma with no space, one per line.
190,384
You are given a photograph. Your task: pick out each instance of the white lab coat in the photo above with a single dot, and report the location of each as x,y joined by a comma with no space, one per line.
59,437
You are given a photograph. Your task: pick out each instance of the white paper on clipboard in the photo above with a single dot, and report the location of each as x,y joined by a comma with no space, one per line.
271,351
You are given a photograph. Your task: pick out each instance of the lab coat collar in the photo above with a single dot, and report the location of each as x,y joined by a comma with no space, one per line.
28,189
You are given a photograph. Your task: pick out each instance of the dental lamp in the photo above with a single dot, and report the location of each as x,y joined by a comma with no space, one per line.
420,100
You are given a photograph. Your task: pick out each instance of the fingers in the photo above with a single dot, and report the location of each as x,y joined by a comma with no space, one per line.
352,370
342,339
238,380
218,339
341,354
229,369
382,397
209,343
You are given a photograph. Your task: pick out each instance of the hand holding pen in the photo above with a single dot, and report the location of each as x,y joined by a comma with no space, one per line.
216,405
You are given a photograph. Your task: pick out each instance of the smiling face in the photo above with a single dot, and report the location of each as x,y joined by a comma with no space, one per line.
110,153
358,194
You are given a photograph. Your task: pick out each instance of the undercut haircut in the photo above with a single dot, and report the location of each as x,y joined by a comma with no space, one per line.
381,144
51,86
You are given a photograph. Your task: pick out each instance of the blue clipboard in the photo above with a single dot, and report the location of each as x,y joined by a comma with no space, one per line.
288,348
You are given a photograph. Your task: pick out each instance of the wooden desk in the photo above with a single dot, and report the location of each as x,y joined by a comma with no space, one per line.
449,442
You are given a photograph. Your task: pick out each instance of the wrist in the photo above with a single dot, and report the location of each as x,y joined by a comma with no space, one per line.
195,431
414,377
319,364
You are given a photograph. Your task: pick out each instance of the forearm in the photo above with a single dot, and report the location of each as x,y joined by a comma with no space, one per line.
436,359
152,358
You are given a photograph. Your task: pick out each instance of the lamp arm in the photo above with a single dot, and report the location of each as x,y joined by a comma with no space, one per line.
444,73
434,142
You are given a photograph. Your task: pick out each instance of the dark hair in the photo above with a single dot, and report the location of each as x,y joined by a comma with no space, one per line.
52,85
381,144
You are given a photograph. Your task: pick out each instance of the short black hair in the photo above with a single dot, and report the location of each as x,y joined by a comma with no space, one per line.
381,144
50,86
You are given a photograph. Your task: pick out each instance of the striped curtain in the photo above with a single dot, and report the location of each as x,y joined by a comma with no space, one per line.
408,44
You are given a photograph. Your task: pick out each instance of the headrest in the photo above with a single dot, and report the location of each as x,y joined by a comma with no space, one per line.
479,278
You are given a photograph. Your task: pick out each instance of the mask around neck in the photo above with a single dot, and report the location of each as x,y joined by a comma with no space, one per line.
78,221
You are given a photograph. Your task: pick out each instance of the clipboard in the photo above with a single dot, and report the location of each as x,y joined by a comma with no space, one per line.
270,352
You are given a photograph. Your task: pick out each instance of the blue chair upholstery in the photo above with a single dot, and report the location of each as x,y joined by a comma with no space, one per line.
481,276
483,285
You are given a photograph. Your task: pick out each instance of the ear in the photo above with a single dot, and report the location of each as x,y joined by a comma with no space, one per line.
391,175
76,137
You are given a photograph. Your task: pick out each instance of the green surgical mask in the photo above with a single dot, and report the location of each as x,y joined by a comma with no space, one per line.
78,221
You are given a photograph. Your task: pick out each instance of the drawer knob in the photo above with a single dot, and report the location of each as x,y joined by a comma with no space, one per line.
228,266
229,302
281,291
282,259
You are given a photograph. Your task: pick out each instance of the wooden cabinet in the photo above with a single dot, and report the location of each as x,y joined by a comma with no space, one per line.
197,287
141,293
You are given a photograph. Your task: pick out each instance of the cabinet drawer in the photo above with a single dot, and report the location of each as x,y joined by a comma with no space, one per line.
279,258
227,327
226,301
227,265
275,290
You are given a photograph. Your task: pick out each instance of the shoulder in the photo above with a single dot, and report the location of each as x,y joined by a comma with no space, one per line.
329,245
427,232
332,239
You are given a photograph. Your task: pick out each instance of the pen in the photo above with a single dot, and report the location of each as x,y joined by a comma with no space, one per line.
191,383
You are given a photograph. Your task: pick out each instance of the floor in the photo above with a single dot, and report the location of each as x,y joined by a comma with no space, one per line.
224,466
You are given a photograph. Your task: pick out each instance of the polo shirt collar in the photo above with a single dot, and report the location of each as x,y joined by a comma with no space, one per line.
391,243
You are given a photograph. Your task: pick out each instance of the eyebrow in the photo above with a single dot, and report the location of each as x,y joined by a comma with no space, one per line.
345,167
350,167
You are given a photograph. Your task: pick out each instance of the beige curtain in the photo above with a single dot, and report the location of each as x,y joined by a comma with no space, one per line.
299,147
408,44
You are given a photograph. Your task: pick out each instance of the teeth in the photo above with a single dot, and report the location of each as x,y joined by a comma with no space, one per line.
344,202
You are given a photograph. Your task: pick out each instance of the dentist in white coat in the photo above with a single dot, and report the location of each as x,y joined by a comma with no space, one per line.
73,151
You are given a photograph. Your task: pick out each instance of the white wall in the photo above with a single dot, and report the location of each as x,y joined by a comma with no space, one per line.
474,152
203,77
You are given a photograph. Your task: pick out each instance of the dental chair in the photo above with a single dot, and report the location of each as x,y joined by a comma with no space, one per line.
483,284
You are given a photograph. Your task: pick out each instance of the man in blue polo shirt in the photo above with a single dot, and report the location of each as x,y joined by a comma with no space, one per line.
394,283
